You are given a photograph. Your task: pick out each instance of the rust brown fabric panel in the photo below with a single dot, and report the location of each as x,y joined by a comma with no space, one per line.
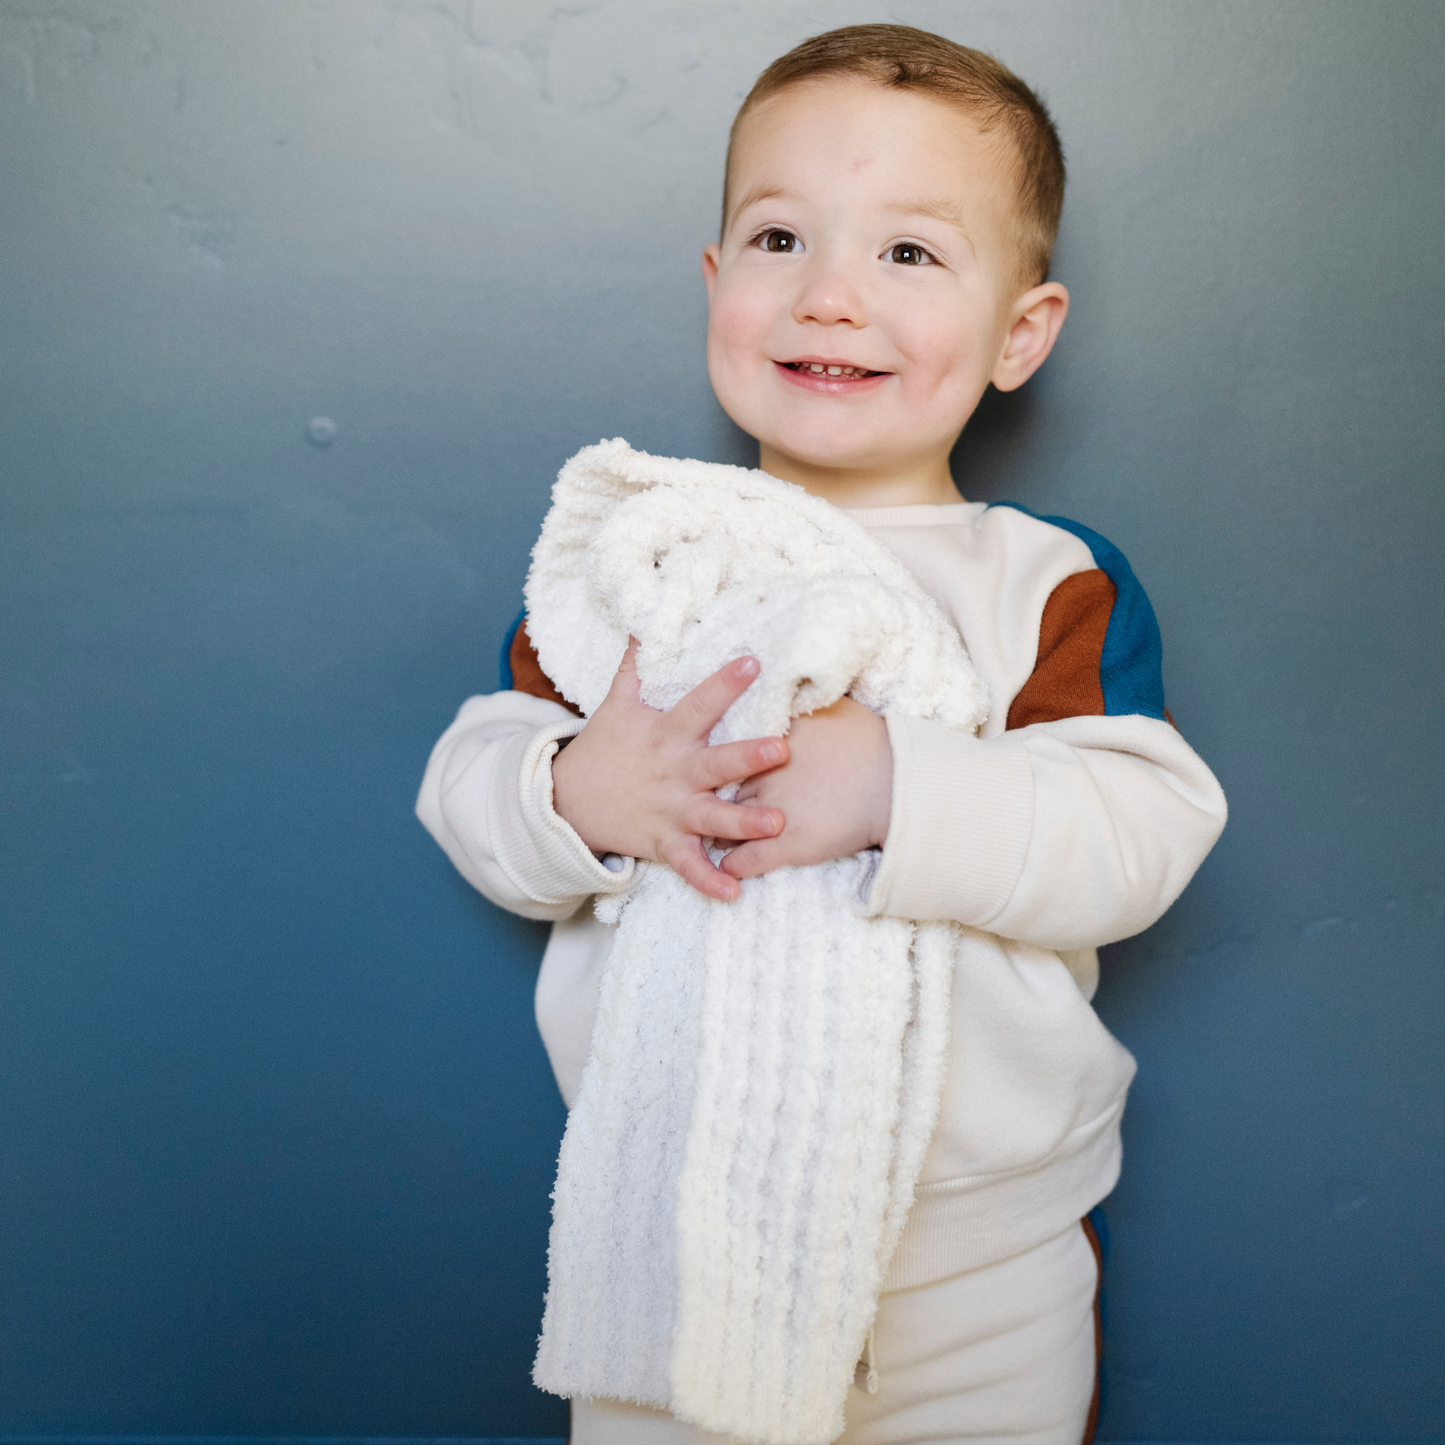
1065,680
1093,1421
527,674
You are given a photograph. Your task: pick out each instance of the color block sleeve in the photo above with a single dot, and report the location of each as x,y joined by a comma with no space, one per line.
1065,681
1085,819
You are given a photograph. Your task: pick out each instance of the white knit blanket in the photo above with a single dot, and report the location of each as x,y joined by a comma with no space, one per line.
764,1075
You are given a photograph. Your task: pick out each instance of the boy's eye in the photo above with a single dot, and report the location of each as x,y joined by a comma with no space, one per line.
780,241
906,253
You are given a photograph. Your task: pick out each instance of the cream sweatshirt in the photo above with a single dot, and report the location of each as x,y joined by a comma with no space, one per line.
1074,818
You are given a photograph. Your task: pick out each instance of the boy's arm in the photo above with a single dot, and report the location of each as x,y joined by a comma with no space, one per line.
1068,834
640,783
1079,825
1085,820
487,800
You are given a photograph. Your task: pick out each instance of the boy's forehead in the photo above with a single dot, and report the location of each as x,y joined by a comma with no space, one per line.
889,143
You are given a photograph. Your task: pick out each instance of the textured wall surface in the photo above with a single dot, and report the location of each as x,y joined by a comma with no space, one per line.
276,1134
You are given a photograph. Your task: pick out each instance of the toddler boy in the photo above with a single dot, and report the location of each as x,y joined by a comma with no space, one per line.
890,205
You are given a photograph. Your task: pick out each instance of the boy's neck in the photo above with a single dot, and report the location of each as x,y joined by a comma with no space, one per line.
928,483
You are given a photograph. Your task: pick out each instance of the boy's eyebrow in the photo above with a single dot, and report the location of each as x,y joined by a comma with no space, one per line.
949,212
759,192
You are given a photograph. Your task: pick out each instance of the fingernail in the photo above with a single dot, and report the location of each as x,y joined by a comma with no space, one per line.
747,667
772,752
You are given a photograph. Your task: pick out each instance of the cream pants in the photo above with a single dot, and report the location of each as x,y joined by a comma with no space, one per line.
1005,1353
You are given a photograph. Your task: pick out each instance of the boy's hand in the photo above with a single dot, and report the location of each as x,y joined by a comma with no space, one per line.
640,782
836,793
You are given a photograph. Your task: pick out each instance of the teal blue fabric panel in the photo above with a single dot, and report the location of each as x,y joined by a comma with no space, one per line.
1131,667
504,669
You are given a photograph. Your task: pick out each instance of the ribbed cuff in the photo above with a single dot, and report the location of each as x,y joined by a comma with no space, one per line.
959,832
538,849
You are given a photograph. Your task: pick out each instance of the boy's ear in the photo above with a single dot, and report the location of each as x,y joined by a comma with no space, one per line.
711,254
1037,316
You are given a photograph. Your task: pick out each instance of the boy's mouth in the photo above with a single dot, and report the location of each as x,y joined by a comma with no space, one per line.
827,377
829,369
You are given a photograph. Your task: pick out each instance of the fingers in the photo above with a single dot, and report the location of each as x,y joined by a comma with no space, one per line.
710,817
732,762
688,859
702,709
751,859
625,686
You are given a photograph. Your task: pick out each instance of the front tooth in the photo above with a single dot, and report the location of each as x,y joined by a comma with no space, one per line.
816,369
835,371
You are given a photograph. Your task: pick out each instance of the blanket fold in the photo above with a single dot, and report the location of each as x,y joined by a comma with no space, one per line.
764,1075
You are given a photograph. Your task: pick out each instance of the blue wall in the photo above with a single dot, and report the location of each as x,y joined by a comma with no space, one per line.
276,1134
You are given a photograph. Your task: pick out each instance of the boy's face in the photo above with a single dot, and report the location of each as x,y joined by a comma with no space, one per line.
872,230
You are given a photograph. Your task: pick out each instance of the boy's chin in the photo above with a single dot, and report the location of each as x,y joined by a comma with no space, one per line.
832,455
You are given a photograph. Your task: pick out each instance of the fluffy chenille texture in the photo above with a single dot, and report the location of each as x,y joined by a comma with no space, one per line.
764,1075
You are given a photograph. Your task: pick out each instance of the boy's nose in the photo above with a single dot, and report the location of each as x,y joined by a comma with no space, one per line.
830,297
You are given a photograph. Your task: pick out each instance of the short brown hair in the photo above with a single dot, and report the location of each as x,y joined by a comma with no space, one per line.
900,57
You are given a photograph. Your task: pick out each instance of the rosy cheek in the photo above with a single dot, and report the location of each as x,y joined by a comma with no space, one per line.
943,357
732,320
745,310
733,348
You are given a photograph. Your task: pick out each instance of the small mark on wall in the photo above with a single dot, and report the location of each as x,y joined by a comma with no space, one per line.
206,232
604,93
321,431
1348,1197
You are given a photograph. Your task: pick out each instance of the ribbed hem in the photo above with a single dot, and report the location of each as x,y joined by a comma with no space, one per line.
531,841
962,813
959,1224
